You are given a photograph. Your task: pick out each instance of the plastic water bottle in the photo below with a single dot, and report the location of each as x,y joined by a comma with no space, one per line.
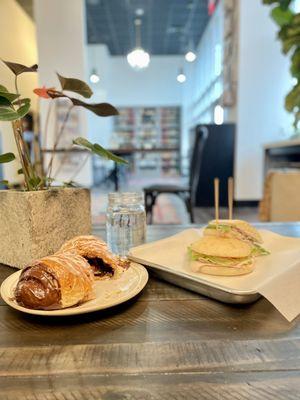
125,221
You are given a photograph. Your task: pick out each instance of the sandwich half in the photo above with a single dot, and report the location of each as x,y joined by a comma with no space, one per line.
217,255
238,229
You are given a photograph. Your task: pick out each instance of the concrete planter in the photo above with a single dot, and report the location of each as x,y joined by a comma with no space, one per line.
36,224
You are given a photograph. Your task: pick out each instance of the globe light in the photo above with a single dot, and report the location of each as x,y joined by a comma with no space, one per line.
94,77
181,78
190,56
138,58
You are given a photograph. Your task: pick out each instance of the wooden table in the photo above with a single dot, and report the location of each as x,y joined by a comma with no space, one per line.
166,344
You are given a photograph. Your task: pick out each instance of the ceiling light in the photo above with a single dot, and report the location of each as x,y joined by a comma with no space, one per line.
94,77
138,58
218,115
181,78
139,12
190,56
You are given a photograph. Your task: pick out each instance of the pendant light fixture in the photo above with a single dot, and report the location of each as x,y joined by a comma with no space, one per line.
94,77
138,58
190,55
181,78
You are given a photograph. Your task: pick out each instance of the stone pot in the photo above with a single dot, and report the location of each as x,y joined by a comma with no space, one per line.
36,224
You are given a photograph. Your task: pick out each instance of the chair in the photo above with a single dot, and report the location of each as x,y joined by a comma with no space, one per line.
186,193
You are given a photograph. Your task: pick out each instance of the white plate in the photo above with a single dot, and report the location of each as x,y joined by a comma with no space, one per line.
108,292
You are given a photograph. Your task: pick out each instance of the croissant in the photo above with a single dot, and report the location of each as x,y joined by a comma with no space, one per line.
96,252
54,282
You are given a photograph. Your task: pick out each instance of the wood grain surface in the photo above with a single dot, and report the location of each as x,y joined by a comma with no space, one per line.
167,343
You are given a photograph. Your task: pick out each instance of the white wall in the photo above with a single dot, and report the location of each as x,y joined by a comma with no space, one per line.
263,81
61,47
18,44
122,86
154,86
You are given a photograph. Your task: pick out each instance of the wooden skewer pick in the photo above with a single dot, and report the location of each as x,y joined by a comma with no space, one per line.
216,185
230,197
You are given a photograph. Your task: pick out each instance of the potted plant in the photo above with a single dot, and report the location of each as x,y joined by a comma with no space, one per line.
289,34
37,219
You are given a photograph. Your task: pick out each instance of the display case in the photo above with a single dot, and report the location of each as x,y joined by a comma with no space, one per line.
150,128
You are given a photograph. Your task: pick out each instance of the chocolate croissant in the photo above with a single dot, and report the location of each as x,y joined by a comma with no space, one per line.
54,282
96,252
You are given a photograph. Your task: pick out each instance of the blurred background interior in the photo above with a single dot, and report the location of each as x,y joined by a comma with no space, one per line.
200,88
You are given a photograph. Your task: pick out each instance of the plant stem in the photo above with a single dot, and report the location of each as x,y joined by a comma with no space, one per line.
22,147
47,124
16,130
60,133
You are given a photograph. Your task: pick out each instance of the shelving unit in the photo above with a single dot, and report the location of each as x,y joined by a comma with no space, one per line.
150,128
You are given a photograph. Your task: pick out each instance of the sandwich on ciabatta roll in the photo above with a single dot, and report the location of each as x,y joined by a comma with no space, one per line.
218,255
238,229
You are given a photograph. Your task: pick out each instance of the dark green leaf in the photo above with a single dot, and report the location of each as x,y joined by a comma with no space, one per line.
289,43
9,96
8,114
18,69
7,157
100,109
284,4
281,17
99,150
20,171
75,86
23,110
295,64
22,101
4,102
292,100
292,32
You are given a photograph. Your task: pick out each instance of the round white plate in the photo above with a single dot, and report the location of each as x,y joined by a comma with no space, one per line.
108,292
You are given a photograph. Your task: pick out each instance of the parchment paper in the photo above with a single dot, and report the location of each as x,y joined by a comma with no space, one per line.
276,276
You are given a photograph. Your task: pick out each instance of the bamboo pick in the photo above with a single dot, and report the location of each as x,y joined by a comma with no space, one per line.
230,197
216,186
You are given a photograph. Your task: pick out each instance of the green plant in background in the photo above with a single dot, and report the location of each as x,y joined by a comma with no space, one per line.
13,107
289,34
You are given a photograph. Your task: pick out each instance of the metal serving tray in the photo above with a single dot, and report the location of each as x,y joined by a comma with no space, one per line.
199,285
